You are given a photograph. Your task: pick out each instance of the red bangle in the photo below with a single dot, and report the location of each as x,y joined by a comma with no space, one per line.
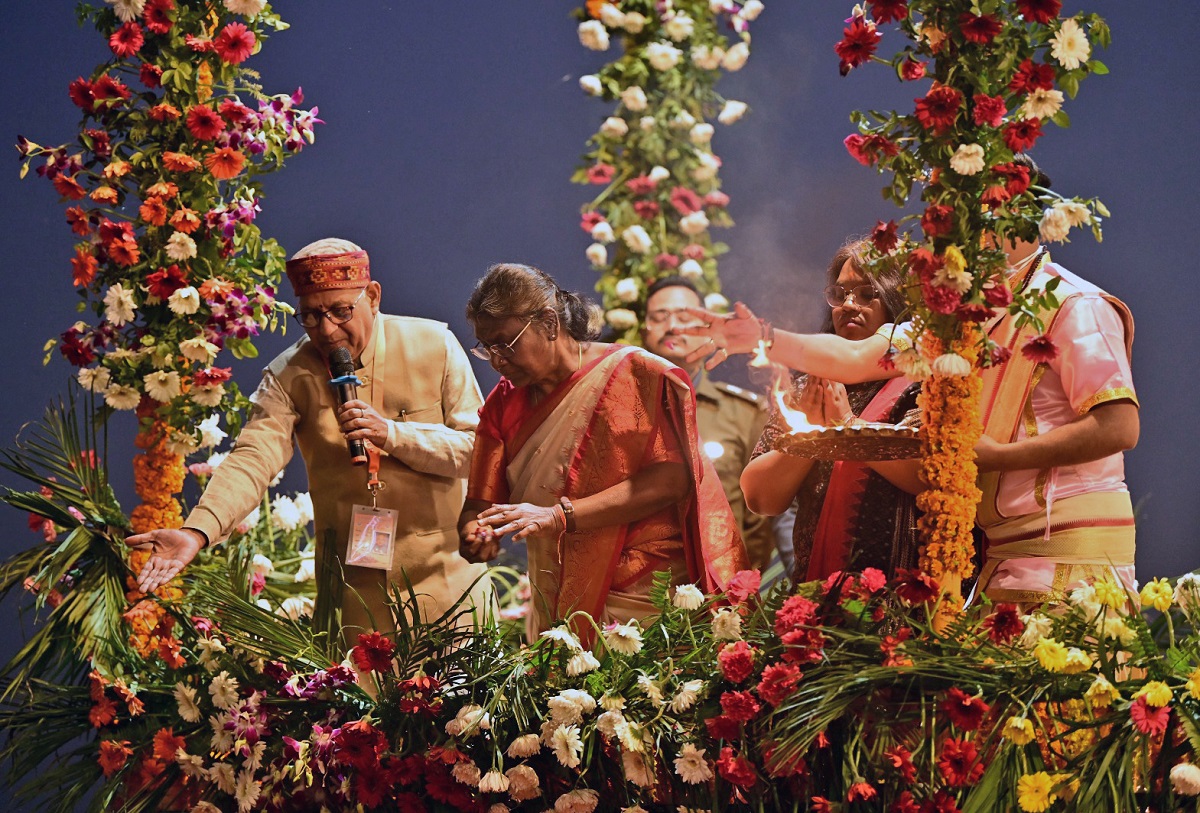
568,514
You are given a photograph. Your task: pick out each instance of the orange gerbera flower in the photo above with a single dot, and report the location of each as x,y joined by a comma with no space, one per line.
154,211
83,268
116,169
225,163
166,743
215,287
164,112
163,189
103,713
105,194
185,220
179,162
113,755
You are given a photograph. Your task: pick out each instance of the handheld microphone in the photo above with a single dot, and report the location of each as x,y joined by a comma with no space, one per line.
345,388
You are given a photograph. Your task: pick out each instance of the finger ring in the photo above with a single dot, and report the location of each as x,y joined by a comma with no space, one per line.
710,340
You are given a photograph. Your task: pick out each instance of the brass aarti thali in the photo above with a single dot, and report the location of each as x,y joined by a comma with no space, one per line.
859,442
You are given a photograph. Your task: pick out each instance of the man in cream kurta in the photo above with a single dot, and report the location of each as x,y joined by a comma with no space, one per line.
418,403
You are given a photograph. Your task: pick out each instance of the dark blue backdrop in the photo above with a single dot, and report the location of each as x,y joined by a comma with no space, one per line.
453,127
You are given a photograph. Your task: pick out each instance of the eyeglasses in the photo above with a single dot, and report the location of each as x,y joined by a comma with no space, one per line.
836,295
500,350
660,316
338,314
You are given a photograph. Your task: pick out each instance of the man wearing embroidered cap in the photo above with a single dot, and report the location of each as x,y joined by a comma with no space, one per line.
418,403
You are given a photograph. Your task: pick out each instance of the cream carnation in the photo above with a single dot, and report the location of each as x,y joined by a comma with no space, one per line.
493,782
693,224
580,800
688,597
707,168
466,773
683,120
735,57
701,133
707,58
180,247
627,290
1055,225
967,159
295,607
716,302
522,783
590,84
634,98
185,301
634,22
1077,214
621,318
658,174
1185,779
602,232
524,746
690,269
597,255
752,9
637,239
593,35
611,16
679,26
614,127
662,56
951,365
732,111
647,123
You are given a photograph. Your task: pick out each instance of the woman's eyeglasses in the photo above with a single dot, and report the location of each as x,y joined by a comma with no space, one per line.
338,314
836,295
500,350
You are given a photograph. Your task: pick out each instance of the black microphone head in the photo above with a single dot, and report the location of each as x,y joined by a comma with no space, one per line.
341,362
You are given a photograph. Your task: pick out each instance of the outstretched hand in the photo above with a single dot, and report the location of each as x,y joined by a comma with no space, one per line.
728,333
171,551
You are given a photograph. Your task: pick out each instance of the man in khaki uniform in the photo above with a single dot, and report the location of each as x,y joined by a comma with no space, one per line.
730,419
417,403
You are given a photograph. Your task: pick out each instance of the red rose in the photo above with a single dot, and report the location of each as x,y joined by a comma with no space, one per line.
980,30
1039,11
912,69
736,661
235,43
858,44
778,681
741,707
884,236
964,711
885,11
1030,77
937,220
1040,349
989,110
735,770
601,173
126,40
938,110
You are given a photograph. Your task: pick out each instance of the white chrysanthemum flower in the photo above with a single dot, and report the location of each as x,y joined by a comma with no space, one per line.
621,318
524,746
647,123
662,56
590,84
602,232
181,444
634,99
184,301
1187,593
691,766
580,800
1077,214
95,379
189,764
568,747
701,134
705,170
127,10
735,57
693,224
658,174
912,364
198,349
247,8
707,58
523,783
593,35
162,386
688,597
564,636
967,159
223,690
607,723
636,769
679,26
185,700
118,305
180,247
1041,104
1037,627
732,112
581,663
614,127
247,791
1055,225
612,702
716,302
303,503
727,625
752,9
564,712
634,22
253,762
627,290
1115,628
637,239
306,572
597,255
1070,45
222,775
611,16
951,365
493,782
216,459
651,689
683,120
211,433
466,773
295,608
624,639
687,696
284,514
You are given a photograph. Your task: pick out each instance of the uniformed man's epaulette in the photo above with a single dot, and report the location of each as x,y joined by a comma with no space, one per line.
736,391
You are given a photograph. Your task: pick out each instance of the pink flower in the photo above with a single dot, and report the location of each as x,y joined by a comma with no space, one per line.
736,661
912,70
235,43
646,209
740,707
665,261
744,584
693,251
641,185
941,298
1147,719
716,199
778,681
601,173
590,220
686,201
126,40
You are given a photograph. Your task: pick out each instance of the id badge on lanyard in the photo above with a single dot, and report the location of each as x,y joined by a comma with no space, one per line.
372,529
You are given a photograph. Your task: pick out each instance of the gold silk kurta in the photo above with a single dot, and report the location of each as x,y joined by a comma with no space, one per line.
416,375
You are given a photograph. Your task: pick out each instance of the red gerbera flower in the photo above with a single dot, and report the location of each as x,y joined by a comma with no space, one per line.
1031,76
937,220
80,92
989,110
884,236
234,43
1016,177
686,201
359,745
166,281
204,123
1147,719
965,712
641,185
103,713
79,221
225,163
905,803
861,791
108,88
185,220
980,29
938,110
166,743
821,805
994,196
1004,623
646,209
126,40
601,173
942,802
156,16
113,755
1039,11
901,759
914,587
179,162
212,375
858,44
123,252
373,653
153,211
1023,134
885,11
959,763
1040,349
150,75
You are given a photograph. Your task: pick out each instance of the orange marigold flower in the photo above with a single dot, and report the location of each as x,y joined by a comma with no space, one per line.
185,220
105,194
113,755
153,211
225,163
179,162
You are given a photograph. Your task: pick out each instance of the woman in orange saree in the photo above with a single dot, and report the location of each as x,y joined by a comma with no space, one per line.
588,453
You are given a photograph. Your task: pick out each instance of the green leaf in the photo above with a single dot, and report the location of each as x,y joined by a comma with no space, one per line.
1097,67
1061,119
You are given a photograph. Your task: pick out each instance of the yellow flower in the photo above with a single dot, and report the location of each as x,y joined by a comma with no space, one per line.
1158,594
1034,792
1068,790
956,263
1102,694
1051,655
1193,684
1077,661
1018,730
1111,594
1156,692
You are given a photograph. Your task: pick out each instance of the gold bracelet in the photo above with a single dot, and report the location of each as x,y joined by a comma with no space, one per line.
568,514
